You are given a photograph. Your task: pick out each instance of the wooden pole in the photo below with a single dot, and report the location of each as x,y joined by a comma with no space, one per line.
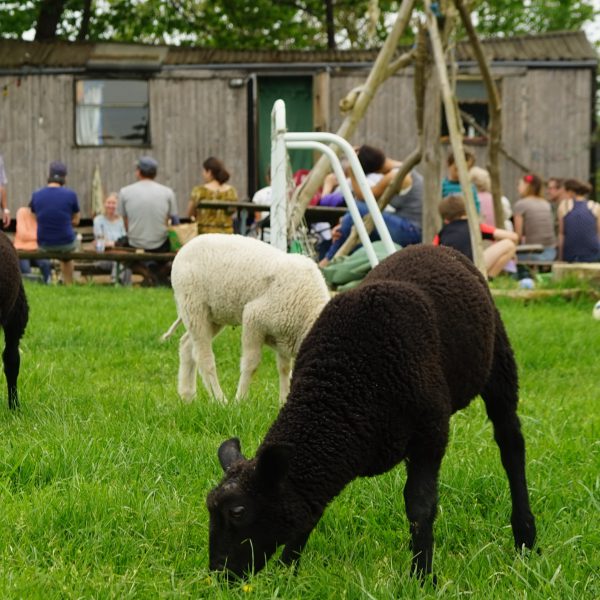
413,159
494,109
379,73
455,138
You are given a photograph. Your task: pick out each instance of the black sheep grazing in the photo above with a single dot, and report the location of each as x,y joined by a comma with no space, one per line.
375,382
14,312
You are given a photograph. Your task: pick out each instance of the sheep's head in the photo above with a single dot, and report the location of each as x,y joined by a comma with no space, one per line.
248,519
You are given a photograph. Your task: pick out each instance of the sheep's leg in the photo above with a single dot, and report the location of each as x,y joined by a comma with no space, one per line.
205,359
507,433
13,332
501,396
252,342
420,498
284,365
186,377
12,362
293,549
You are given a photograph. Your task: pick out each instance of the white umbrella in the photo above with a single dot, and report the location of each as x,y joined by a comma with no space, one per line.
97,193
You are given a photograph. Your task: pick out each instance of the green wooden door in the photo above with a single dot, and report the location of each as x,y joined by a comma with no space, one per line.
296,92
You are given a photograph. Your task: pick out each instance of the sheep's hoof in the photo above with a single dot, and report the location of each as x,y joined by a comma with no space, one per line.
187,397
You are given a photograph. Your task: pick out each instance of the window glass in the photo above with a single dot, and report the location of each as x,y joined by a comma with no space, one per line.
111,112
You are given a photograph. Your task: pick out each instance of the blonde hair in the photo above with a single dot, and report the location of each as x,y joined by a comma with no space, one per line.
481,178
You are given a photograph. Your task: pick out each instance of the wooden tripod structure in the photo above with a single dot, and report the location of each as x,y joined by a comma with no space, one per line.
431,82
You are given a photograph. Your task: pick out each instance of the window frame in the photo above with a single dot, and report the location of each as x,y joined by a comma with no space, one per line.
136,77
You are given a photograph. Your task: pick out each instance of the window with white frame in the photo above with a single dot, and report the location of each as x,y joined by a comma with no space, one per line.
112,112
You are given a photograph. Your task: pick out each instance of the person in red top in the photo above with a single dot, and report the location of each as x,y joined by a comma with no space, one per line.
455,233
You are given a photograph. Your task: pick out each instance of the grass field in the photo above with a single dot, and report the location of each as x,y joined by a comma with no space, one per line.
104,472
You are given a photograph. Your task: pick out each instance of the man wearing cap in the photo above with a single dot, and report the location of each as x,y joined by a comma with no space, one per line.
146,207
57,211
3,200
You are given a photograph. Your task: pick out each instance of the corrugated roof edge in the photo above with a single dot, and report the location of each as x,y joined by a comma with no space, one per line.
18,54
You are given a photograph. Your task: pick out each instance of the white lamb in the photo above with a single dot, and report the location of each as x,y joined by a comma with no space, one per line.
220,280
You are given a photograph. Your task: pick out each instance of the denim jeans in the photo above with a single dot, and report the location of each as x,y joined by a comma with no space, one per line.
402,231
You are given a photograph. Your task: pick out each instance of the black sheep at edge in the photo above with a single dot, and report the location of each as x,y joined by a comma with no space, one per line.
14,313
375,382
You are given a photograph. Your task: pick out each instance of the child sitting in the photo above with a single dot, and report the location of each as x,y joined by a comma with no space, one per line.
455,233
451,183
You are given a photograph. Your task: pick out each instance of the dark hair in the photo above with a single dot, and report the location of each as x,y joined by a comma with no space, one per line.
370,159
216,167
580,188
534,184
452,207
469,158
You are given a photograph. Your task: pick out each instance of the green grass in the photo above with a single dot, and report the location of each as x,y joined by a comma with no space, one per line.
104,471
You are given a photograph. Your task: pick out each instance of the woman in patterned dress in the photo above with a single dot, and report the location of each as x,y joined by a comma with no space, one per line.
214,188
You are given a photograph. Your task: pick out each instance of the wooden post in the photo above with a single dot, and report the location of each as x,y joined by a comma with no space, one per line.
420,65
455,138
495,113
379,73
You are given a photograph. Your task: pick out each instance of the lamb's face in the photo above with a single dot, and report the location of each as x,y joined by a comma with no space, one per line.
246,511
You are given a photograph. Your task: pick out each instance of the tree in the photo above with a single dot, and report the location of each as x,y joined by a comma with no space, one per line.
263,24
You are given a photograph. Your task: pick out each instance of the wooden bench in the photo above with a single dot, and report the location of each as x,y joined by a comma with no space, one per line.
126,257
587,271
535,266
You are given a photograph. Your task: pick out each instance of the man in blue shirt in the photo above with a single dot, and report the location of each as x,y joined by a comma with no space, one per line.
57,211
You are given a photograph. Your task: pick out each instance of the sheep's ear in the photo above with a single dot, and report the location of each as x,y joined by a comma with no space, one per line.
272,465
229,452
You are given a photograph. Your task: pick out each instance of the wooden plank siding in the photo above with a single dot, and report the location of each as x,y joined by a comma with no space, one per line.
194,113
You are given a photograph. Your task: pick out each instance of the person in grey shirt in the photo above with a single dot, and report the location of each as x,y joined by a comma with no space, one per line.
146,207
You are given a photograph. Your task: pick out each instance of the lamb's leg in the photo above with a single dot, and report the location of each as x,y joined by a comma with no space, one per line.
252,341
186,377
12,362
293,549
284,365
201,338
501,396
420,498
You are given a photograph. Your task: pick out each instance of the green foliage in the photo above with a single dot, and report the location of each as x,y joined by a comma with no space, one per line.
513,17
286,24
104,471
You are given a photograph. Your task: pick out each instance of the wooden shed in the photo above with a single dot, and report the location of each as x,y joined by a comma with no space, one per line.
105,104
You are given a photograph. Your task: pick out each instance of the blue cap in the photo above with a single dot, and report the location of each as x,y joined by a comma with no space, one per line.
147,165
58,171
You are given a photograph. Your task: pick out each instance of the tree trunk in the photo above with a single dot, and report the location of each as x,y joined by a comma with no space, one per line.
48,19
330,24
378,74
84,29
456,139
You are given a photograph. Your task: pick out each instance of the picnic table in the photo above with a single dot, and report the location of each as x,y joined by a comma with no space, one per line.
313,214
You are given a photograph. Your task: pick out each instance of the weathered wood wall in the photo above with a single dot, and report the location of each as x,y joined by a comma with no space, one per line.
191,118
195,114
546,122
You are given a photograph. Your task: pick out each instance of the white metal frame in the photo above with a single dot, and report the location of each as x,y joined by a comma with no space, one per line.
281,139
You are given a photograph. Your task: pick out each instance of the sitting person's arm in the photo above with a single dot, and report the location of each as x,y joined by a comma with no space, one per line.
390,164
505,234
381,185
75,219
518,220
329,184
